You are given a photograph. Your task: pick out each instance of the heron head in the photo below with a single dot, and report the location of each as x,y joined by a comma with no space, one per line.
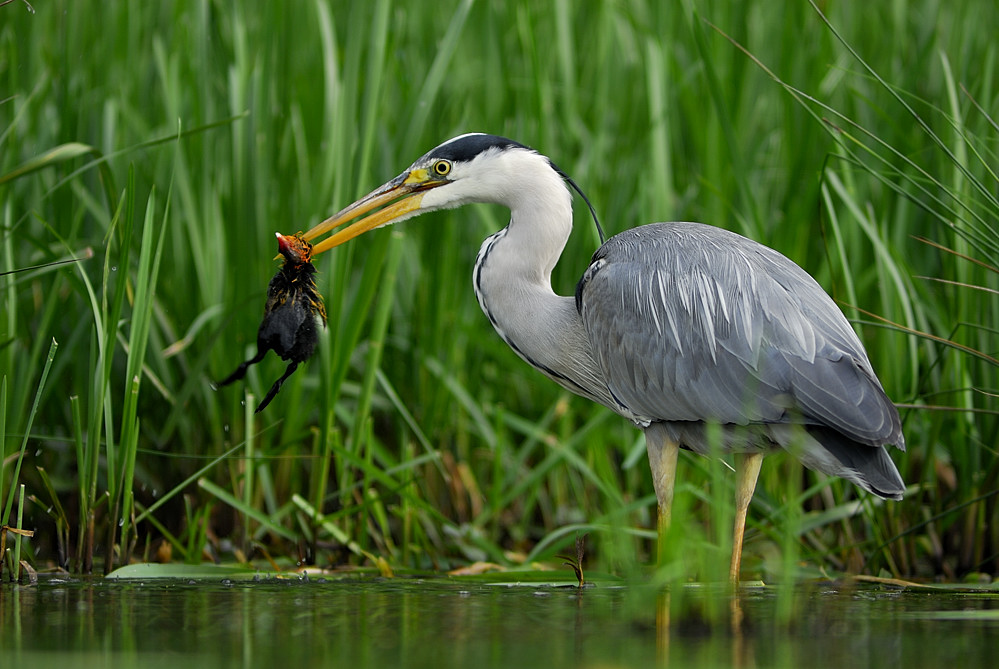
469,168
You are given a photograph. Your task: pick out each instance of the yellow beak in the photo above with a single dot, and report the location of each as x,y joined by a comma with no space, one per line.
402,196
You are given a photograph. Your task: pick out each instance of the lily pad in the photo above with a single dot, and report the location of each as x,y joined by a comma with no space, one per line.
145,571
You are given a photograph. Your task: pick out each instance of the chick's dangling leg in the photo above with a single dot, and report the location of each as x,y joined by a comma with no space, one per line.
241,370
276,387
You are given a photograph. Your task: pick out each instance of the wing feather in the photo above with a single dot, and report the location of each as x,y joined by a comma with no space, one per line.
690,323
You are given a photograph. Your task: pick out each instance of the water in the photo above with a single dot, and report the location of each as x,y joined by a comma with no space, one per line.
443,623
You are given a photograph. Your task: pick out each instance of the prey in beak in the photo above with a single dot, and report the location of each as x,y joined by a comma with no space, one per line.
400,199
294,304
293,307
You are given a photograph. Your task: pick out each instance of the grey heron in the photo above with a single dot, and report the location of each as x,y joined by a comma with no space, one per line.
678,327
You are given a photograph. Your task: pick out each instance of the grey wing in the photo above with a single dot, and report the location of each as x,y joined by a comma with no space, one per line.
690,323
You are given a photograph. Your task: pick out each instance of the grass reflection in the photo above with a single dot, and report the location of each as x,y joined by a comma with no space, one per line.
483,622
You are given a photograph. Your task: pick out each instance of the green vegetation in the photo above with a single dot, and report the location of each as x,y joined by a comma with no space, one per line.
163,144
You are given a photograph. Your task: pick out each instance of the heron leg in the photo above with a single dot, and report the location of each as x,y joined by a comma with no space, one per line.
747,471
663,453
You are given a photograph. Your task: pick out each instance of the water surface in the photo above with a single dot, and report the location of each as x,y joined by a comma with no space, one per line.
442,622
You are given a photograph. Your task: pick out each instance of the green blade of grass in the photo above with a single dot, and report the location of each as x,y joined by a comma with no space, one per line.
228,498
15,474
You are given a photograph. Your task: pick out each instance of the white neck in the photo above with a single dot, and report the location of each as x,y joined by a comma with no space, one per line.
513,282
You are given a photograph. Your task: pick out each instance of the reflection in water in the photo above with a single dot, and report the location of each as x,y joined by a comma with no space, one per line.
444,622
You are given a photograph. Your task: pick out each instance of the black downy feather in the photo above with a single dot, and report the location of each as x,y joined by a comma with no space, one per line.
293,306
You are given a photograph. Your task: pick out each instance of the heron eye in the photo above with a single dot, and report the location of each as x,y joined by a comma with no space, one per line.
442,168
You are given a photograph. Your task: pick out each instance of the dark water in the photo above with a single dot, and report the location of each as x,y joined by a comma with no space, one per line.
442,623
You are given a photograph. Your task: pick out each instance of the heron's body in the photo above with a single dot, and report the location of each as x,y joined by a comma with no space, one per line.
673,325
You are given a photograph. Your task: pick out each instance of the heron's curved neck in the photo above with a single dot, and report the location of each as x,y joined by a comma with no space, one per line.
513,285
540,224
514,266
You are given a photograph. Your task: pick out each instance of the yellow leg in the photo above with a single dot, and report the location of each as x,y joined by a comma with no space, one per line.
663,454
747,471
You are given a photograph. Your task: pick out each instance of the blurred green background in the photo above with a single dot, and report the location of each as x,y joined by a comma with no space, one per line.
173,139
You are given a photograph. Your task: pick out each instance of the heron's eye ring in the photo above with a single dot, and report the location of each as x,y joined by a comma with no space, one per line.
441,168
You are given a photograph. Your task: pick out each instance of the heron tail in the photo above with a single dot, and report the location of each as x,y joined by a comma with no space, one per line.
870,467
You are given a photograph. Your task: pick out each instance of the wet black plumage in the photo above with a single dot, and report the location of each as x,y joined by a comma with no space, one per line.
293,306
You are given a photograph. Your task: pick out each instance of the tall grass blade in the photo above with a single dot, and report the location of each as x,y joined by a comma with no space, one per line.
16,472
123,472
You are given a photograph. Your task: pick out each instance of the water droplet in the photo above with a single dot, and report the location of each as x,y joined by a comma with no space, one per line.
114,268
